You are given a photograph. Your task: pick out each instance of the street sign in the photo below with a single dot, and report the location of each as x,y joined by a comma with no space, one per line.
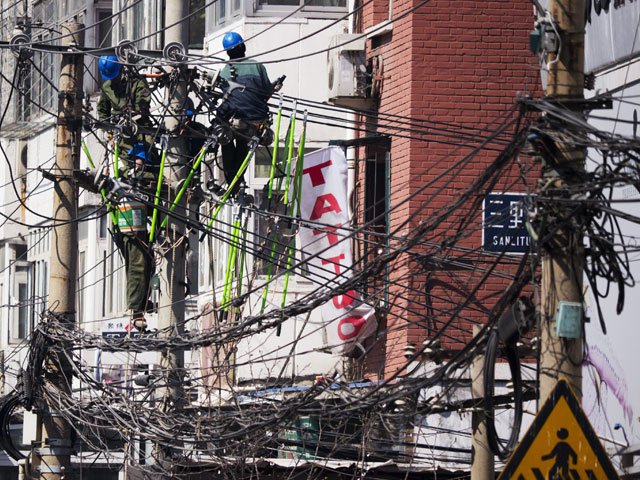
503,225
560,444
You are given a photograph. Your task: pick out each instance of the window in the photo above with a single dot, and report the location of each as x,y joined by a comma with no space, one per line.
83,231
309,5
226,11
115,282
197,23
47,68
220,246
70,7
104,27
21,302
38,76
376,195
376,212
104,285
213,261
222,11
41,283
102,232
38,251
141,23
272,233
23,98
263,158
262,162
103,39
22,175
130,21
81,286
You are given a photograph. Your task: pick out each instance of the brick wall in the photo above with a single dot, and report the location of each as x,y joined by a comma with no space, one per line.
457,66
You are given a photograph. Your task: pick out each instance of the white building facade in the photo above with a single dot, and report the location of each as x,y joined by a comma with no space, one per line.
294,38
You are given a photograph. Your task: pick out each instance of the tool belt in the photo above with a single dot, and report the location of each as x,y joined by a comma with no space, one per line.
253,128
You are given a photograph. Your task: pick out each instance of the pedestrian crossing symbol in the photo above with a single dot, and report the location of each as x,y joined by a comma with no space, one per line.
560,445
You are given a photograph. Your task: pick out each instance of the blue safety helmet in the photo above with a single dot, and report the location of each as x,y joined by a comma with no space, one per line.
109,67
231,40
139,150
189,108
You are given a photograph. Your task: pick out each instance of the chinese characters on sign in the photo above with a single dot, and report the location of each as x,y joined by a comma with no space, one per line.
504,227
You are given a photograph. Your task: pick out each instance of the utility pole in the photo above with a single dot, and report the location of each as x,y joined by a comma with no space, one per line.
482,467
172,268
53,454
562,265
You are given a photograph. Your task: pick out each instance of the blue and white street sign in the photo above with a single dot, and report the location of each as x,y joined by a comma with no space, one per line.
503,224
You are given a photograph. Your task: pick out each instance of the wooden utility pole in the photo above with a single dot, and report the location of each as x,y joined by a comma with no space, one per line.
53,454
172,268
562,264
482,467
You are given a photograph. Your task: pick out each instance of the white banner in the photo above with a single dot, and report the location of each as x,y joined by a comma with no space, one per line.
326,246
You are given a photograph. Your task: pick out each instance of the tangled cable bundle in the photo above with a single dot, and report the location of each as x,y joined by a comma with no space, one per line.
434,282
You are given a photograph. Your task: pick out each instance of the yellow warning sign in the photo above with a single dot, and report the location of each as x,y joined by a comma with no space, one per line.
560,445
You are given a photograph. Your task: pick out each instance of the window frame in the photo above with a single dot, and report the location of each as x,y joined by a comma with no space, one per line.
309,11
22,276
200,44
256,184
213,20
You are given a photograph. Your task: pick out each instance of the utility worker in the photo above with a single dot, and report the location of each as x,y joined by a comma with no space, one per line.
246,110
130,97
126,100
133,238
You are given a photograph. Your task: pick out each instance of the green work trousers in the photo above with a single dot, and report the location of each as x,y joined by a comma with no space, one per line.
139,266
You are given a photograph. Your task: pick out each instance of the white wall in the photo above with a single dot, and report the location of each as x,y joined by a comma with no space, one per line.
611,382
307,77
41,154
296,351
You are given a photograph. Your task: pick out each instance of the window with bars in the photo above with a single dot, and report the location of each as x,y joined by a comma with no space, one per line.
36,79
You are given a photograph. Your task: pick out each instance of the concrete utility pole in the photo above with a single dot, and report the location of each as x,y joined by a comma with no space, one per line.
172,268
53,455
563,261
482,467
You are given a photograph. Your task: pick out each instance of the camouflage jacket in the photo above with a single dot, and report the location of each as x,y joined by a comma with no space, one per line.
123,97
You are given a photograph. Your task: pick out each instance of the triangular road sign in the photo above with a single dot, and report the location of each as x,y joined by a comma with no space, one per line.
560,444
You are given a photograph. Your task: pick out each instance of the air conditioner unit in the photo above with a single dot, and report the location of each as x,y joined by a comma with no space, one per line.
348,83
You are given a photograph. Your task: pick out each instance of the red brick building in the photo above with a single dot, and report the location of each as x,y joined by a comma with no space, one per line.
446,74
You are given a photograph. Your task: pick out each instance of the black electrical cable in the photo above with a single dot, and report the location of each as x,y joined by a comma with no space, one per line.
498,446
8,405
88,27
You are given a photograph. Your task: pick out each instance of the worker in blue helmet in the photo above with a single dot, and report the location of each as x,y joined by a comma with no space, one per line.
144,160
125,98
109,67
131,236
245,110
